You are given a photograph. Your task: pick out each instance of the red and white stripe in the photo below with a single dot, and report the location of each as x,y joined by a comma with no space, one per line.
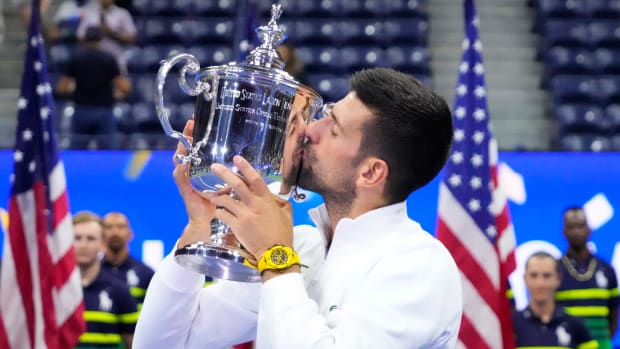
40,290
484,266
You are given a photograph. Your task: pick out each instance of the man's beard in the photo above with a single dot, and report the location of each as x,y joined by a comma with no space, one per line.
341,194
115,244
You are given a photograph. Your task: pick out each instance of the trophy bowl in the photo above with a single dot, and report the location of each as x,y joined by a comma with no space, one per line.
249,109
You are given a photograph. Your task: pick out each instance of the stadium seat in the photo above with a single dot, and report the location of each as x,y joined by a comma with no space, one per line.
354,58
572,33
408,59
362,8
319,59
615,142
359,32
145,118
173,94
135,64
161,30
209,55
585,142
608,89
573,89
142,88
612,114
124,118
607,61
141,8
330,86
184,112
221,30
405,8
317,8
548,9
148,59
605,33
315,31
405,31
169,8
603,8
225,8
581,118
565,60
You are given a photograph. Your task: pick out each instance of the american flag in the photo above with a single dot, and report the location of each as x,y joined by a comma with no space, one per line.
473,220
40,287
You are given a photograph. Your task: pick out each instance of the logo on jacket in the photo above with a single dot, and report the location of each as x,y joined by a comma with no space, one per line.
563,336
601,279
132,278
105,302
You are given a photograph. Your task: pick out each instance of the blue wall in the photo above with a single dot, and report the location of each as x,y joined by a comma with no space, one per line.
141,185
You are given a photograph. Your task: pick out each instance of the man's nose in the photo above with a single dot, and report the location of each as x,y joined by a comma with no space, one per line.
314,130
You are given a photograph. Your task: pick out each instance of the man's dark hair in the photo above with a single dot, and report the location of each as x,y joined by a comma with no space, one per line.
411,130
571,208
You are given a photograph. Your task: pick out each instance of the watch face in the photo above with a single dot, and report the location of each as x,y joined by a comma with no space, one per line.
279,257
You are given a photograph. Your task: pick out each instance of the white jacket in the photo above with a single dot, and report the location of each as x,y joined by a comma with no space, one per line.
384,283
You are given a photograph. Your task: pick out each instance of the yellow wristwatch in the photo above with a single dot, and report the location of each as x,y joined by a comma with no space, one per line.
278,257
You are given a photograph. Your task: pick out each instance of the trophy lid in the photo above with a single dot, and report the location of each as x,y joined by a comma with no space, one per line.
270,35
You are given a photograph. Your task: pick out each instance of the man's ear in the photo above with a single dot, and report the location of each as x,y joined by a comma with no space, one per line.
373,171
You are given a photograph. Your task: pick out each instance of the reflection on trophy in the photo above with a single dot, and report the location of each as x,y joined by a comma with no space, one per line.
253,109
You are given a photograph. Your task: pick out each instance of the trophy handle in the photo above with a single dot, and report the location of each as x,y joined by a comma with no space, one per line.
191,66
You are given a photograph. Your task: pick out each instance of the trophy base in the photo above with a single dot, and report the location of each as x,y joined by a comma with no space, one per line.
216,261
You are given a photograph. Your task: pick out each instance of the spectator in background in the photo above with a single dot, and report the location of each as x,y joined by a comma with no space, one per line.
110,311
589,287
292,64
117,27
67,20
117,259
543,324
94,81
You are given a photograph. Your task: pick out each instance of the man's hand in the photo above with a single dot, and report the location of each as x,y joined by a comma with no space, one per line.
258,218
200,209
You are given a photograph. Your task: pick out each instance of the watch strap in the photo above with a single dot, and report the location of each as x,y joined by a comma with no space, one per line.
278,257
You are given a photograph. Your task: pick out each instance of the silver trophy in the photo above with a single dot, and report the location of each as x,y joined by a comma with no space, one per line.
250,109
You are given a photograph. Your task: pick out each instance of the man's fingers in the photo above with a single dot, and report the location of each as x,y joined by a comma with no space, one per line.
180,175
253,179
229,203
187,131
233,181
189,127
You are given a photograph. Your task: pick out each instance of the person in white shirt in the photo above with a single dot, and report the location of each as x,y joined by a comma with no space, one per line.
116,24
370,277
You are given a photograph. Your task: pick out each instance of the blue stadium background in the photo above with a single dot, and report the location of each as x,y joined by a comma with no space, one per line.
579,47
140,184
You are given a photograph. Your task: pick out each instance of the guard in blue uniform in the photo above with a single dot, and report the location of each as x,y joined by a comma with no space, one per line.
543,324
119,262
589,287
110,310
561,331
